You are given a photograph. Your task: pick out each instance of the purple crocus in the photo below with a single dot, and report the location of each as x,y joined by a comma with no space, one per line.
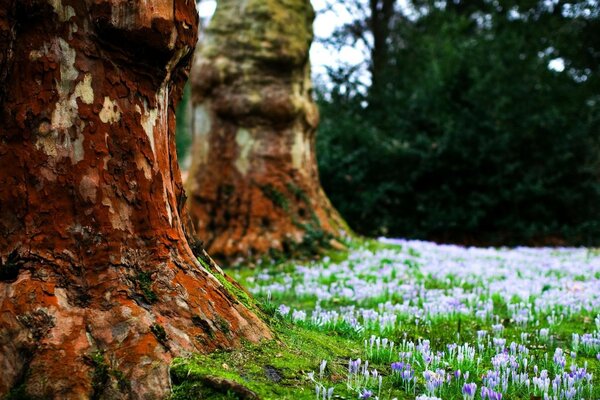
366,394
469,390
397,366
408,374
283,310
353,366
559,358
490,394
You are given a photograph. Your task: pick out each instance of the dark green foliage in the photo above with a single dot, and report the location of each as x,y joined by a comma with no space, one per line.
183,134
474,139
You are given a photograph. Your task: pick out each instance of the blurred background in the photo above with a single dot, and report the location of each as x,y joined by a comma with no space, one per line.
473,122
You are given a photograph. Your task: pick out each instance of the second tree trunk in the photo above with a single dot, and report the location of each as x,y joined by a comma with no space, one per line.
253,185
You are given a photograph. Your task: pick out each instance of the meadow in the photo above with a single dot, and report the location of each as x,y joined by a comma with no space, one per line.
397,319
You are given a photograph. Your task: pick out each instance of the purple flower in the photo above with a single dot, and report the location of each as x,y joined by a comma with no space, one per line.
366,394
433,380
490,394
408,374
283,310
559,358
353,366
397,366
484,392
469,390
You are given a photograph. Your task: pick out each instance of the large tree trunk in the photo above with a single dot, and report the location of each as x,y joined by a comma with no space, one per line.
253,185
99,289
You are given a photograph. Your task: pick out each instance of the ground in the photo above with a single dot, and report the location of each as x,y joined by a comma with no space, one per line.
403,319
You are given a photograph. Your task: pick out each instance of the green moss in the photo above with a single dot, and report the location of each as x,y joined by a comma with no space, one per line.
285,25
204,263
239,294
100,374
298,192
276,197
223,325
19,393
103,375
294,353
144,283
160,334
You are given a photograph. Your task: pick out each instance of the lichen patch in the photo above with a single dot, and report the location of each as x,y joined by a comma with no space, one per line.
119,215
76,148
149,118
301,150
84,90
55,138
67,54
142,164
110,112
64,13
245,143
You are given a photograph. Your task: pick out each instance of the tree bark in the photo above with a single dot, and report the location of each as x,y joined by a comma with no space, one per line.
99,289
253,185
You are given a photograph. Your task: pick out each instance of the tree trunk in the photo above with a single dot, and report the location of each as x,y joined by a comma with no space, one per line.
99,289
382,12
253,185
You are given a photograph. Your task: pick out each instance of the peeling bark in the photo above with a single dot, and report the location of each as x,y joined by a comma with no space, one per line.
99,288
253,185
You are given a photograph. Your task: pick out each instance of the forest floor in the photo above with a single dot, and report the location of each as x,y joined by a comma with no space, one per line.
407,319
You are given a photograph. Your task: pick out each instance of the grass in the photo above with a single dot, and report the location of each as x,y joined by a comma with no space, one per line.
281,369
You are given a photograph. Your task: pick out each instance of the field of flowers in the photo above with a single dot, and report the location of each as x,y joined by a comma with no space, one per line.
446,322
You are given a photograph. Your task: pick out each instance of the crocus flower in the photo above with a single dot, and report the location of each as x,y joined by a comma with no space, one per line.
283,310
469,390
397,366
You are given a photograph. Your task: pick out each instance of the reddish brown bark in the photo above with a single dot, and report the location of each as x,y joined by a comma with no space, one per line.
95,273
253,186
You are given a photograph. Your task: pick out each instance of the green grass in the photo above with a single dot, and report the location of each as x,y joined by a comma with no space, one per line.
279,369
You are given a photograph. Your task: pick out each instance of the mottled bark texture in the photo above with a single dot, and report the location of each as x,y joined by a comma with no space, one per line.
99,289
253,186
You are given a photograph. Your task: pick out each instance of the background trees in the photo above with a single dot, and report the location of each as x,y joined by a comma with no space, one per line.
480,124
